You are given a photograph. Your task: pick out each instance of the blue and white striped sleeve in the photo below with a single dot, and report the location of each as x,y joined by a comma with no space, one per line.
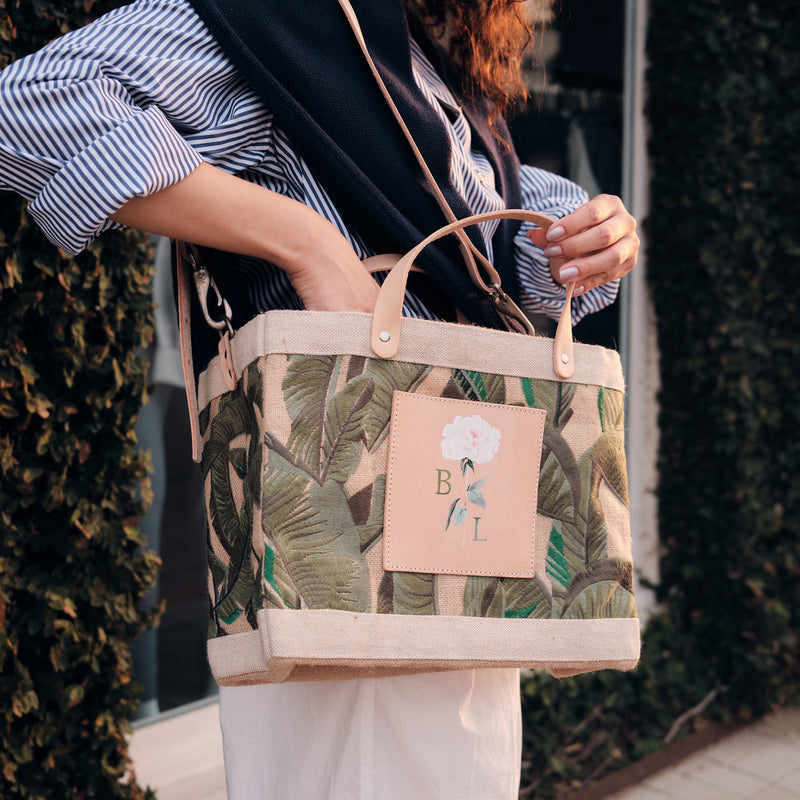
121,108
555,196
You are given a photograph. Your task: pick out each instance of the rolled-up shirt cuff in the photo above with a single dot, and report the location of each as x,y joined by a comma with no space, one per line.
137,158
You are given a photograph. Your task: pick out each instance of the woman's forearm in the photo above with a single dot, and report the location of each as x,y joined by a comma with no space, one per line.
215,209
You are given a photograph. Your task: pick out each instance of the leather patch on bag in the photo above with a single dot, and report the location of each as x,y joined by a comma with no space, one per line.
461,486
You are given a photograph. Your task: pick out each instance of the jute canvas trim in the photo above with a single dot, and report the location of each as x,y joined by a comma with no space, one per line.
422,342
343,644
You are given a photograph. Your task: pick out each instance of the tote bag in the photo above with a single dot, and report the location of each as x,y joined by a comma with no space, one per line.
389,495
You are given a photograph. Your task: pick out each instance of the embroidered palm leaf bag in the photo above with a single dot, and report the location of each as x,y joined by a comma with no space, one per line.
387,496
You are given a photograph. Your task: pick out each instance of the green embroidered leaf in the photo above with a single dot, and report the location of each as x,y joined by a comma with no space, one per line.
466,464
237,456
307,385
483,387
519,613
316,542
355,367
370,532
388,376
285,595
556,398
604,600
512,598
471,384
611,407
232,617
608,452
594,591
560,488
239,597
556,565
231,463
527,392
407,593
573,536
585,536
343,440
479,593
528,597
217,568
555,495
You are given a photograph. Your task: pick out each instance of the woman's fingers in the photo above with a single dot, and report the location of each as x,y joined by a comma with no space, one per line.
589,215
593,245
599,268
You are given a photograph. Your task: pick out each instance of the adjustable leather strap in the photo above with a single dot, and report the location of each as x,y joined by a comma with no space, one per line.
513,317
184,291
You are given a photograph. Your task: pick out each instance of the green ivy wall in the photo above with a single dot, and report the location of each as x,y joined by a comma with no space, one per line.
71,483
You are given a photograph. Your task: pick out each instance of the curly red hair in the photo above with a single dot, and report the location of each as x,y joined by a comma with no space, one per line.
487,41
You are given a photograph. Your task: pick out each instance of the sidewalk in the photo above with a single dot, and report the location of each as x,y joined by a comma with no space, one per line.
759,762
180,756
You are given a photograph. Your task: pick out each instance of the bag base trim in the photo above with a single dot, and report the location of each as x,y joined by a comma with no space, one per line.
327,644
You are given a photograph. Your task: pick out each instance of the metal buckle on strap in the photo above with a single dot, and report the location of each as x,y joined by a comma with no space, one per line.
511,314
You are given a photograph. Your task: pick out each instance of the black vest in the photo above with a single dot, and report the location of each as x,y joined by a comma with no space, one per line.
302,59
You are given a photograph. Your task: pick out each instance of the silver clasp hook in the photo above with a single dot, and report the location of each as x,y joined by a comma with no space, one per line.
203,282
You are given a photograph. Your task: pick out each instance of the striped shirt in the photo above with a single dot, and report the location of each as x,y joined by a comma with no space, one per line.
134,102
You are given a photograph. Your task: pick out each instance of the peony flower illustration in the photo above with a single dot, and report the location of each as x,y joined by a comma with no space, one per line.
470,437
470,440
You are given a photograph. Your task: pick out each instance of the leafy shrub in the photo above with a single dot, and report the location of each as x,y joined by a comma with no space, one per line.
72,483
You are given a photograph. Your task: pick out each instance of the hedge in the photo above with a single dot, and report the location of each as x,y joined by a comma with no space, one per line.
72,483
723,246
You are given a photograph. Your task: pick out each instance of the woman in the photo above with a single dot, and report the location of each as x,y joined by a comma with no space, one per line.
254,128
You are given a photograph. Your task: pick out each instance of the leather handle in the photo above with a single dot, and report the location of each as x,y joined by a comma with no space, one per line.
385,339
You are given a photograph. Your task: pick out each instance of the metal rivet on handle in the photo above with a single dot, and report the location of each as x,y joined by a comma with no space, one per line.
384,336
564,358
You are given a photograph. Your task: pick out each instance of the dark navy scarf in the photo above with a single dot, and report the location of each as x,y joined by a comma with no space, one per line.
302,59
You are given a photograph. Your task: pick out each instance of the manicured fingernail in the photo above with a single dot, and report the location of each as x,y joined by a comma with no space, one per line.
567,273
552,252
578,290
554,232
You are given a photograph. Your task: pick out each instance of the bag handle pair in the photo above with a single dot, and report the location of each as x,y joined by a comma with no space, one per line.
388,311
385,336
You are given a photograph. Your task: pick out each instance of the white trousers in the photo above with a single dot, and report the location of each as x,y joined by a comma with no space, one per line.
417,737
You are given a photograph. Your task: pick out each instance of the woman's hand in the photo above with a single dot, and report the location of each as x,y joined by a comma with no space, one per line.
593,245
326,272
